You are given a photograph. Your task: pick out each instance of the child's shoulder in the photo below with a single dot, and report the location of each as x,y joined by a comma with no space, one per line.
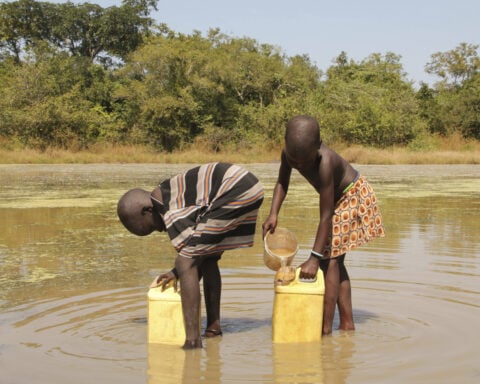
332,160
327,152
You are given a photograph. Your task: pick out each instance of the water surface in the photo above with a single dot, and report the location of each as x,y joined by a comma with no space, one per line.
73,284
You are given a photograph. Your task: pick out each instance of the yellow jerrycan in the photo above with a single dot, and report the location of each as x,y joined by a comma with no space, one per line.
165,316
298,310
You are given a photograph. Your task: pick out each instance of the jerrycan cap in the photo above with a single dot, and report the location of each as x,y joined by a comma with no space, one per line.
303,286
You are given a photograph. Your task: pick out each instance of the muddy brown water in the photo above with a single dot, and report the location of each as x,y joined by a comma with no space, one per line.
73,284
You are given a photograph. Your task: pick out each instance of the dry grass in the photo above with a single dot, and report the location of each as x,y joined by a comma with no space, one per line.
427,150
453,150
130,154
360,155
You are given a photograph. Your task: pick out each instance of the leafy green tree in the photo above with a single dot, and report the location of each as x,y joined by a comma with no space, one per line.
21,25
430,109
460,108
56,100
162,77
369,102
457,93
266,86
455,66
74,75
469,112
82,29
189,85
88,29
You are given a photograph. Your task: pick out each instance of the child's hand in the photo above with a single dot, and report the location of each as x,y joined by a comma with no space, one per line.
269,225
164,279
309,269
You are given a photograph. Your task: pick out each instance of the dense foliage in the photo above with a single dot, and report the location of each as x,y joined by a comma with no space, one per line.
75,75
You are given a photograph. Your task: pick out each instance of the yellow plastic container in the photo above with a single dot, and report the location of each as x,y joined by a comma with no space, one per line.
298,310
280,248
165,316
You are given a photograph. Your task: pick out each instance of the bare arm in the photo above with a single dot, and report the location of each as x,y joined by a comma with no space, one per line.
326,191
327,208
279,193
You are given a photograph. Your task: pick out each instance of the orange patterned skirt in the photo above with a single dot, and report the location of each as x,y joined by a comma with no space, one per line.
356,221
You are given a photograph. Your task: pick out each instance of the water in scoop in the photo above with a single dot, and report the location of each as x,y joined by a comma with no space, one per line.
282,252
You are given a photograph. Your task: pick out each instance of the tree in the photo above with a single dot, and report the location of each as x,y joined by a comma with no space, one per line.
470,110
455,66
21,25
57,100
369,102
83,30
461,108
430,109
223,88
456,95
88,29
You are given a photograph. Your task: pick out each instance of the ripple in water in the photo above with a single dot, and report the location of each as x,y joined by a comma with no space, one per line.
101,333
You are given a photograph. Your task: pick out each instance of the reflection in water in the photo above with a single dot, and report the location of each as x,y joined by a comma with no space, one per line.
171,364
73,284
298,363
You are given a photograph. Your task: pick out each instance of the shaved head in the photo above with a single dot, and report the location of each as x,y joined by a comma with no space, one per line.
302,137
131,210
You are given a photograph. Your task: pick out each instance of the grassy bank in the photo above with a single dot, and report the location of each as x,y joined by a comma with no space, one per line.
443,151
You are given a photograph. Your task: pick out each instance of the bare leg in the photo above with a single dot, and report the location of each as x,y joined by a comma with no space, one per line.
190,294
212,288
345,298
331,274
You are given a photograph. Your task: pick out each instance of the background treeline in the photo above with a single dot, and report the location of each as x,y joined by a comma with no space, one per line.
75,75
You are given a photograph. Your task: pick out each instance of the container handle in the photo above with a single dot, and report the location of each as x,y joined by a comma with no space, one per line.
303,280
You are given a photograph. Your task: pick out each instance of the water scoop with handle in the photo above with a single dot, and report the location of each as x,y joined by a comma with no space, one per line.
281,246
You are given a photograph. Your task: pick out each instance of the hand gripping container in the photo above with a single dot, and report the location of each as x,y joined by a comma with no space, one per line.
280,248
298,310
165,316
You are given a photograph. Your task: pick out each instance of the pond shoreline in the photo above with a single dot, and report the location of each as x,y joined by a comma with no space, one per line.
108,154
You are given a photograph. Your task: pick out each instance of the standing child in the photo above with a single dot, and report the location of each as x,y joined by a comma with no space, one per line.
349,214
205,211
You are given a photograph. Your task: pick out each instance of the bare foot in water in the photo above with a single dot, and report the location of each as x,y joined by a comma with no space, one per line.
192,344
